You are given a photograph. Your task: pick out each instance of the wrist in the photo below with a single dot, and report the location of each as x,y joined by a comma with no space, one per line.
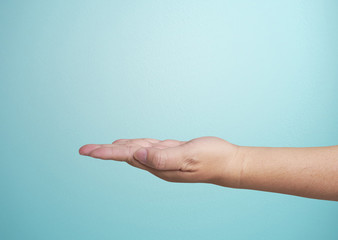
232,166
239,166
242,159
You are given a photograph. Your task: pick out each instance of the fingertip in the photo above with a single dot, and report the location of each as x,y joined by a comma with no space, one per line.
81,150
87,149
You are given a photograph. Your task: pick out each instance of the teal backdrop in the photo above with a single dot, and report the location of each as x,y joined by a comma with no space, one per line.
256,73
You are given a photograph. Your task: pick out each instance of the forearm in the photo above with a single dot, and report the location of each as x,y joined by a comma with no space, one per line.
306,172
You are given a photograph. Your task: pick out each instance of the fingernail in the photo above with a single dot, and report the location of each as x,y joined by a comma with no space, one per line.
141,155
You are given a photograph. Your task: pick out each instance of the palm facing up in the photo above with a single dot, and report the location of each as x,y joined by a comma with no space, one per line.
204,159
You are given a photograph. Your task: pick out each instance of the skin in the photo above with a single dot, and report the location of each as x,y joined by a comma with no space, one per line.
306,172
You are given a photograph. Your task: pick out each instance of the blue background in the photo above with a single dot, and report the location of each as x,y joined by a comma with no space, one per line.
258,73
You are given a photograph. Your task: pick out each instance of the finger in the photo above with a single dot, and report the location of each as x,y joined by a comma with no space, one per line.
162,159
119,141
168,143
159,147
149,140
115,152
140,142
86,149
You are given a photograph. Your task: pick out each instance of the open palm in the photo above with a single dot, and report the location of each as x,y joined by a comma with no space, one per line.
204,159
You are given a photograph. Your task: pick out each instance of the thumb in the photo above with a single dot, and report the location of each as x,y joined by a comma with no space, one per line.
161,159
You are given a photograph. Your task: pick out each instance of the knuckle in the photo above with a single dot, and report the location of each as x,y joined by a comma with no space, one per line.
129,149
130,154
160,158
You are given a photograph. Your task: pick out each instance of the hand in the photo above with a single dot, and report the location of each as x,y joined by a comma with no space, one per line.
204,159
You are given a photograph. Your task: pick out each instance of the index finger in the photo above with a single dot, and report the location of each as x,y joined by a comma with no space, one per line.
86,149
115,152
